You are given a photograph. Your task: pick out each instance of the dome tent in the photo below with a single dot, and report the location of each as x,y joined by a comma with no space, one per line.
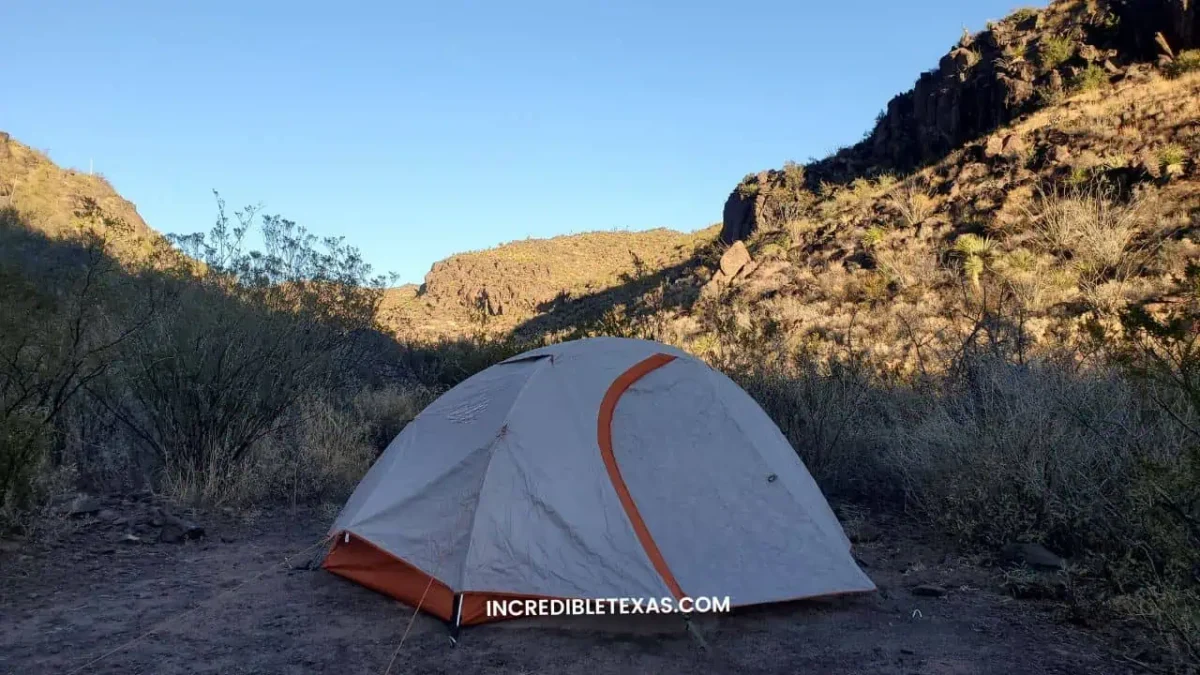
599,468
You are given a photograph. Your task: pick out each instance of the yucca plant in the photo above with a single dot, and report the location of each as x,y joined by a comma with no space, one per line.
972,249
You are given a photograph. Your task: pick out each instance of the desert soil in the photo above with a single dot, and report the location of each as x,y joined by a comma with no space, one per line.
229,603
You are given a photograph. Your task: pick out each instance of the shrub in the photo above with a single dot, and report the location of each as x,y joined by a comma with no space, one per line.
214,374
747,190
1186,62
996,451
823,411
1089,79
1024,14
56,337
1172,155
1054,50
873,237
1163,351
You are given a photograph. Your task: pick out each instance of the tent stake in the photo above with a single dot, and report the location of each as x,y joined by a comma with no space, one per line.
691,626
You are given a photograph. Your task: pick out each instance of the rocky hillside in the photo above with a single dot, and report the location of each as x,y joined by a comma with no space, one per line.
58,202
1028,61
568,276
1047,166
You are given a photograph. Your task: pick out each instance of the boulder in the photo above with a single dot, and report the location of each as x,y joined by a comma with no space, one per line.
1017,92
746,271
735,259
1014,146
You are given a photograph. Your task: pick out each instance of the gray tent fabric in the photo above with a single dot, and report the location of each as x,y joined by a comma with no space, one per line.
501,487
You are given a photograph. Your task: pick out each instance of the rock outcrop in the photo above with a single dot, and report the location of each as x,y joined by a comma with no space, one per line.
989,79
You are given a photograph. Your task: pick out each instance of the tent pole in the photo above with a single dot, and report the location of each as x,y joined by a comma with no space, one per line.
456,620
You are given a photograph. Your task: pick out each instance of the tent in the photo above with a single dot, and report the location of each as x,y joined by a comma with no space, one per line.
599,468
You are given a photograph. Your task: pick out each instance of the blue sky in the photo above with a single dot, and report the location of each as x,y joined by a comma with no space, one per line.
418,130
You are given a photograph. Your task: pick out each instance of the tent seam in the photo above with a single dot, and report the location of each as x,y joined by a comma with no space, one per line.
458,586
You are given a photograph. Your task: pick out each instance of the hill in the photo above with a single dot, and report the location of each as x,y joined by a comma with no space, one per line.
1047,167
61,203
569,277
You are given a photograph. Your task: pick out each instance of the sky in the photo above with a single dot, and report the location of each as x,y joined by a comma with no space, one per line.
420,129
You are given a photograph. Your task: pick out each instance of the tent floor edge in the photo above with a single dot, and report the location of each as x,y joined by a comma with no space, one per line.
366,564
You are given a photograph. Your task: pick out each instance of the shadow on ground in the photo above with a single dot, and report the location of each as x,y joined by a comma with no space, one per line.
67,603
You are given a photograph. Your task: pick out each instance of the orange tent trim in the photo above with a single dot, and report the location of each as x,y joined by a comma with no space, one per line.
604,433
359,560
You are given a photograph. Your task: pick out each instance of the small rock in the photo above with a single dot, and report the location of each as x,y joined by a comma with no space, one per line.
175,530
1111,67
1060,154
83,505
1034,555
994,147
929,591
962,59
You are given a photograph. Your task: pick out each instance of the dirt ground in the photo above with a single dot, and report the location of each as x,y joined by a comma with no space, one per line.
63,605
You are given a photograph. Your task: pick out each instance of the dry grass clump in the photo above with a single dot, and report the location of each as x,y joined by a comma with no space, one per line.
1092,230
914,202
318,456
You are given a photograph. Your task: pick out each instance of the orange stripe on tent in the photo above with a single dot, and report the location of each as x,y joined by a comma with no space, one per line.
365,563
604,434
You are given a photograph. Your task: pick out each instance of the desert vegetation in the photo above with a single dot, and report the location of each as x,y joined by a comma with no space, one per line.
208,372
999,344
